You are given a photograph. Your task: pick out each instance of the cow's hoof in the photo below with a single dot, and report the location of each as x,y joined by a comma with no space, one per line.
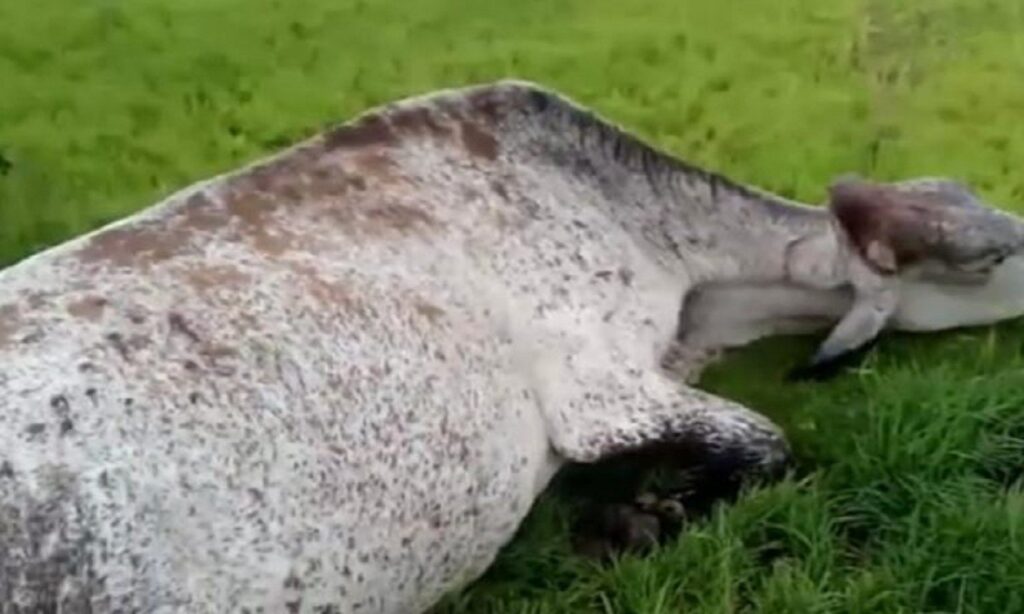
668,509
615,529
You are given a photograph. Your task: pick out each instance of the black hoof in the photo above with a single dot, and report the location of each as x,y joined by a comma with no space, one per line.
823,368
611,530
814,372
665,489
615,529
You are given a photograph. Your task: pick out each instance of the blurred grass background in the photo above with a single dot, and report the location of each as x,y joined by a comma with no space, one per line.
909,498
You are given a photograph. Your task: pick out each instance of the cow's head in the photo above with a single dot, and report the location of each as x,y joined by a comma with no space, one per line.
924,255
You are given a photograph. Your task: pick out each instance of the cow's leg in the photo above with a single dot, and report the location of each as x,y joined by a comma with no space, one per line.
719,316
645,416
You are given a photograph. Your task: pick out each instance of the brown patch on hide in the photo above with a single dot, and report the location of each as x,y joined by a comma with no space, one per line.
272,206
889,229
141,244
419,121
330,294
146,243
260,227
377,165
396,216
211,277
90,308
330,182
479,142
250,207
264,200
202,214
371,130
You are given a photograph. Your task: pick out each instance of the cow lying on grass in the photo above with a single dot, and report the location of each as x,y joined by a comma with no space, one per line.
336,380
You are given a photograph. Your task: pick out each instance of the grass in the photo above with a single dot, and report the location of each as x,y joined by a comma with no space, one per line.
909,496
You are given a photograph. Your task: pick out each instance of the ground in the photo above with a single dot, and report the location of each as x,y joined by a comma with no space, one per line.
908,496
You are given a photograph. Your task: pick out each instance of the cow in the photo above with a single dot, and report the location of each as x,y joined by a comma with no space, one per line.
337,379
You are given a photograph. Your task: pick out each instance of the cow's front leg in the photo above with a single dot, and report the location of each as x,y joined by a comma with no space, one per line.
718,444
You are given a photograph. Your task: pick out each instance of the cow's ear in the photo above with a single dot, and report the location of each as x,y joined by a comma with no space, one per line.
887,227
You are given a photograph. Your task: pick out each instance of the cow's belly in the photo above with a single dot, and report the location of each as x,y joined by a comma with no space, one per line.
208,457
268,493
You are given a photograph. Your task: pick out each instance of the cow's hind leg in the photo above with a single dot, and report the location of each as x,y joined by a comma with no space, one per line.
706,448
637,500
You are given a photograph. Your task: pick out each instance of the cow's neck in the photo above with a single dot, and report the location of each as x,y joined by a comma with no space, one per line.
707,225
714,229
751,263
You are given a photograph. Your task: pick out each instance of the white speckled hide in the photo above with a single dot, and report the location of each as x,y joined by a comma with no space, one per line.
335,381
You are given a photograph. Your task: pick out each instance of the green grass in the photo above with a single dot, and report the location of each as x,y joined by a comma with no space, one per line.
908,497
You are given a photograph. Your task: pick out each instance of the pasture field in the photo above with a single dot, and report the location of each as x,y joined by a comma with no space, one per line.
908,495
